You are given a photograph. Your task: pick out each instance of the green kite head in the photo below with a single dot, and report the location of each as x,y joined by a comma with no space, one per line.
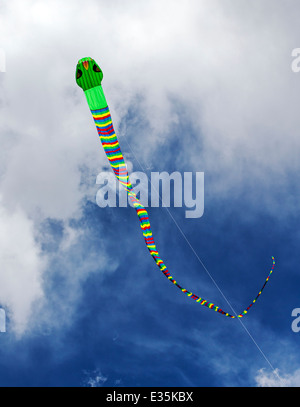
88,73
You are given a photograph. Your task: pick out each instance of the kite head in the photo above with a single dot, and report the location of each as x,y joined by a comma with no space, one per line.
88,73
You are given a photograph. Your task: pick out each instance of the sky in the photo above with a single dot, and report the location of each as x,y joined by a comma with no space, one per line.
194,86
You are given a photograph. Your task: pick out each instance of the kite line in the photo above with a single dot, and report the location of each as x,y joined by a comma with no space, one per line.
89,77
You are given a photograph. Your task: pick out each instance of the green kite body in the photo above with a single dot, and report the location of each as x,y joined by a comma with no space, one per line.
89,77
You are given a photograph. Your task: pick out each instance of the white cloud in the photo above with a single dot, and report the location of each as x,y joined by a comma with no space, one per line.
94,378
21,267
276,379
230,70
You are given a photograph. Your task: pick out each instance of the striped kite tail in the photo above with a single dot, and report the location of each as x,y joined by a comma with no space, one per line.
113,152
265,283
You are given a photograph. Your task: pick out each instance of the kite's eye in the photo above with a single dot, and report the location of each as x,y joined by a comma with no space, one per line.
96,68
79,74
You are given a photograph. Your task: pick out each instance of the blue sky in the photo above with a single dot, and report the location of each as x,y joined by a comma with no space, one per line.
200,86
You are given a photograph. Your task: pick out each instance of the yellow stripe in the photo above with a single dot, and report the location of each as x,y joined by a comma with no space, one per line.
110,145
143,211
145,226
104,124
115,165
108,137
96,116
115,156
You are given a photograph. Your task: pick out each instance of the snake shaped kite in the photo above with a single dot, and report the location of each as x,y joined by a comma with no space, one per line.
89,77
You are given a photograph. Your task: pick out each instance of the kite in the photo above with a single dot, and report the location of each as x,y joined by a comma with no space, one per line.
89,77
